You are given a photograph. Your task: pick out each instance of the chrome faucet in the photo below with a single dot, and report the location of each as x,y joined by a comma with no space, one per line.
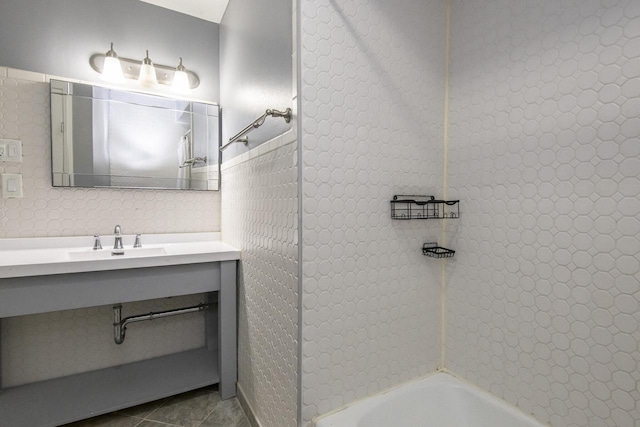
118,249
97,245
138,242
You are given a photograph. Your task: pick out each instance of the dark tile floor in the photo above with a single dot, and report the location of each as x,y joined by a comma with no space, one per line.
199,408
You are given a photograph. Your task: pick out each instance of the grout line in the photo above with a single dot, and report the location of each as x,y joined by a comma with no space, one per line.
445,174
159,422
209,414
162,423
146,417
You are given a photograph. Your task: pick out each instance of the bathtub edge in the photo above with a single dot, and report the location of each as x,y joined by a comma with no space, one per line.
317,418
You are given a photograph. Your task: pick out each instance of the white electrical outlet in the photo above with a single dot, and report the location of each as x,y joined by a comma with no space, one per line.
11,186
10,150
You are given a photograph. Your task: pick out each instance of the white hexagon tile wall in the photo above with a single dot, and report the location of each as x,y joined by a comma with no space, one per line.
56,344
372,108
260,216
543,295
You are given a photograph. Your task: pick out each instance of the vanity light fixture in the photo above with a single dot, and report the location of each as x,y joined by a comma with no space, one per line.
181,79
147,76
112,70
115,69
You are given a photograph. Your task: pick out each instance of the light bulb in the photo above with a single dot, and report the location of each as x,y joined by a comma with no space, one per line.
147,75
181,79
112,70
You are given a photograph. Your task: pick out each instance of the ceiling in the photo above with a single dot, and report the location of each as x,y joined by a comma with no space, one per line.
209,10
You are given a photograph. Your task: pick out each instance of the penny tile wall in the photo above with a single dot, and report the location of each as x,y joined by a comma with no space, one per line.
372,85
543,294
260,217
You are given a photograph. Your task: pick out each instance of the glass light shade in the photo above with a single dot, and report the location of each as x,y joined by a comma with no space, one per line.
181,82
148,75
112,70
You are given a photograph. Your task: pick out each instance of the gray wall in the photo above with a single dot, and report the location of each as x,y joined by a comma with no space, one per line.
58,36
256,68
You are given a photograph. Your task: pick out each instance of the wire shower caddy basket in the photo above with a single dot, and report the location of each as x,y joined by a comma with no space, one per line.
432,250
405,207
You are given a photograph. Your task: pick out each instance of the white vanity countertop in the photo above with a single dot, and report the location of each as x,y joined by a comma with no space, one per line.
61,255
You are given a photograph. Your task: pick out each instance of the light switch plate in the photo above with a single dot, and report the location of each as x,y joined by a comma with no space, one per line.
10,150
11,186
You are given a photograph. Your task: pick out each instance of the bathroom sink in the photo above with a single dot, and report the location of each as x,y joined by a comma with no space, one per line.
63,255
90,254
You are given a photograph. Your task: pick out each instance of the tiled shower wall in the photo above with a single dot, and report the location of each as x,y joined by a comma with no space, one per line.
543,294
260,217
56,344
372,86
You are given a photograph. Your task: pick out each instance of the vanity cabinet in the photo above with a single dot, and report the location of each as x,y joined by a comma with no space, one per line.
75,397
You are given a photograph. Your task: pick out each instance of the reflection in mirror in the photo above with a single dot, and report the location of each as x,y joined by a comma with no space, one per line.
109,138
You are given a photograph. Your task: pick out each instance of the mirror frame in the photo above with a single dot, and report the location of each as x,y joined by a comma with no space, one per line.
61,144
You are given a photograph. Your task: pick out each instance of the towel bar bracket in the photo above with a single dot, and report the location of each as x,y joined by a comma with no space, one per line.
241,136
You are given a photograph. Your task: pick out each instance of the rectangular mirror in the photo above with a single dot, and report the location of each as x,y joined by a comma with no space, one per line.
110,138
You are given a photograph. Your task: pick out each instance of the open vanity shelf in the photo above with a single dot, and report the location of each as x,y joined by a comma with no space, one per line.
67,399
197,268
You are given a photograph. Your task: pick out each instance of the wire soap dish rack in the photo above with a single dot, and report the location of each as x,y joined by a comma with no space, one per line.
431,249
423,207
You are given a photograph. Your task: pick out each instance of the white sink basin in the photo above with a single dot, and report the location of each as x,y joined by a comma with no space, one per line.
62,255
90,254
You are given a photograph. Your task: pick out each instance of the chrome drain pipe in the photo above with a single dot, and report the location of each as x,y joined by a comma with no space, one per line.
120,325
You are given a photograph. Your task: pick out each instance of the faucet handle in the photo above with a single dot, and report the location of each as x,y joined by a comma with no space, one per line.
138,243
96,243
118,248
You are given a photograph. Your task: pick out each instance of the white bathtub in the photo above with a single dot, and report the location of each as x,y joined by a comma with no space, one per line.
437,401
